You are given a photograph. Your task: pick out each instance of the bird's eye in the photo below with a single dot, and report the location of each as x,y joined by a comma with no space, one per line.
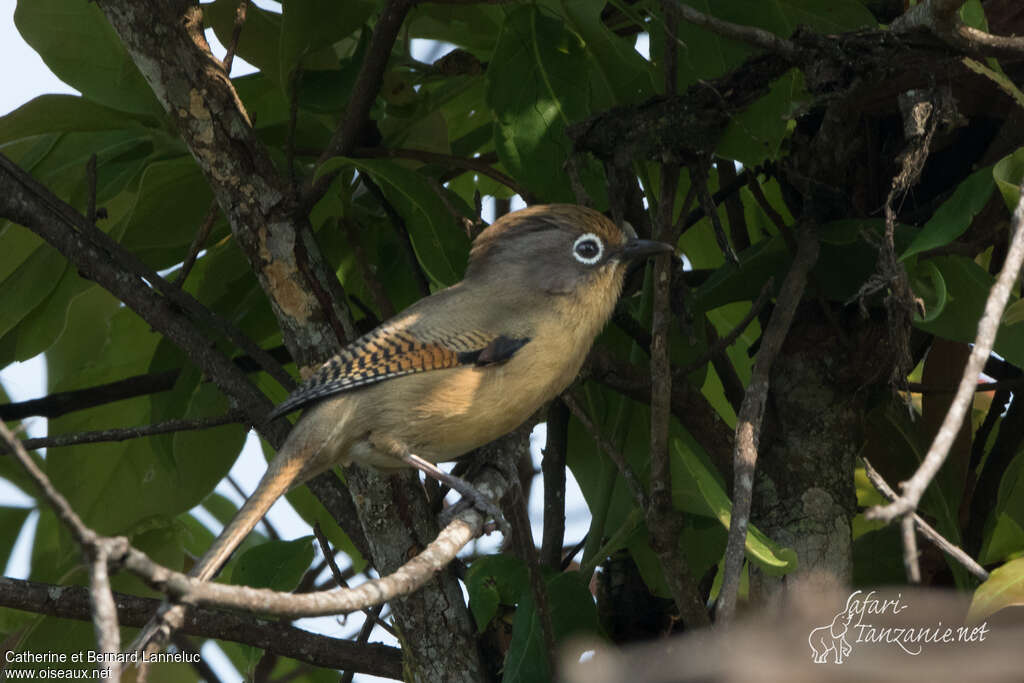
588,248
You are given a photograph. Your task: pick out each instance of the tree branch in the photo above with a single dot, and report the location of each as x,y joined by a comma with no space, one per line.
745,34
72,602
748,423
926,529
988,326
106,435
364,92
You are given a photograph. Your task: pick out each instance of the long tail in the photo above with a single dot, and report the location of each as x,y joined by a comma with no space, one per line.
285,470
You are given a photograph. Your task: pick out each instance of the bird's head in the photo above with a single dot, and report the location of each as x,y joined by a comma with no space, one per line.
558,249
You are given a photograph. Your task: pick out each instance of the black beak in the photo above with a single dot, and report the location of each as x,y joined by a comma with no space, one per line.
637,249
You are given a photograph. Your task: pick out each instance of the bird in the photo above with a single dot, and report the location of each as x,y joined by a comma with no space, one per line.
458,368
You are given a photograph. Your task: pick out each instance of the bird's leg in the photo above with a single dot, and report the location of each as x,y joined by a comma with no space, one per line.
479,500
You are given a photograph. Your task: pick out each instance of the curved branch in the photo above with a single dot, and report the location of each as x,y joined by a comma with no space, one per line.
408,578
72,602
748,422
988,326
745,34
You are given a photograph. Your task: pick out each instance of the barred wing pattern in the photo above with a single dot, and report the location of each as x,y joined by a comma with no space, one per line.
393,351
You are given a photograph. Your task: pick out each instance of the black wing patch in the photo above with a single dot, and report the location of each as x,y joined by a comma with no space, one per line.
386,353
498,351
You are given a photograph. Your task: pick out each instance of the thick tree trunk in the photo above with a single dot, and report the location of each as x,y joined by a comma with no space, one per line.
804,494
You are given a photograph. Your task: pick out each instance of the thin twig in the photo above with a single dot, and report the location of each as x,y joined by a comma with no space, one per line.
522,542
90,181
700,179
748,423
104,610
1001,385
553,467
197,244
911,559
479,165
746,34
664,522
108,435
364,92
236,33
774,216
988,326
625,469
926,529
82,534
372,614
725,342
372,618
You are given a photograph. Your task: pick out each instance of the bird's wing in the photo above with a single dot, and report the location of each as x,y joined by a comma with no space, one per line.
395,350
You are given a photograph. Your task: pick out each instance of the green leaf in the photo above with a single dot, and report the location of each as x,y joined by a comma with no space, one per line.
441,247
311,25
968,285
729,283
769,556
1008,174
956,213
615,64
12,519
572,612
62,113
172,200
756,135
1014,313
494,580
546,62
927,283
1005,538
474,27
29,283
1004,588
78,44
278,565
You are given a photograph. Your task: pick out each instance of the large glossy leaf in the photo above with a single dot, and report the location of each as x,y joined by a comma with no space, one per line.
12,519
968,285
62,113
623,74
572,612
955,215
547,63
492,581
310,25
172,200
769,556
474,27
1004,588
756,135
82,49
441,246
278,565
1008,174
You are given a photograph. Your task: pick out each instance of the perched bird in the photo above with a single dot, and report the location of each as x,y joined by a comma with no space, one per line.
461,367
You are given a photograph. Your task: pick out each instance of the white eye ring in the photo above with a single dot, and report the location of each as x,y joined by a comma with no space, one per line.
588,239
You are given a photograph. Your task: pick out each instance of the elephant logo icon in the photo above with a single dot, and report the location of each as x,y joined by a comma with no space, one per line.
832,638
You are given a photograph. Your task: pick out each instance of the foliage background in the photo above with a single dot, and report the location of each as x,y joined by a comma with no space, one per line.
812,150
